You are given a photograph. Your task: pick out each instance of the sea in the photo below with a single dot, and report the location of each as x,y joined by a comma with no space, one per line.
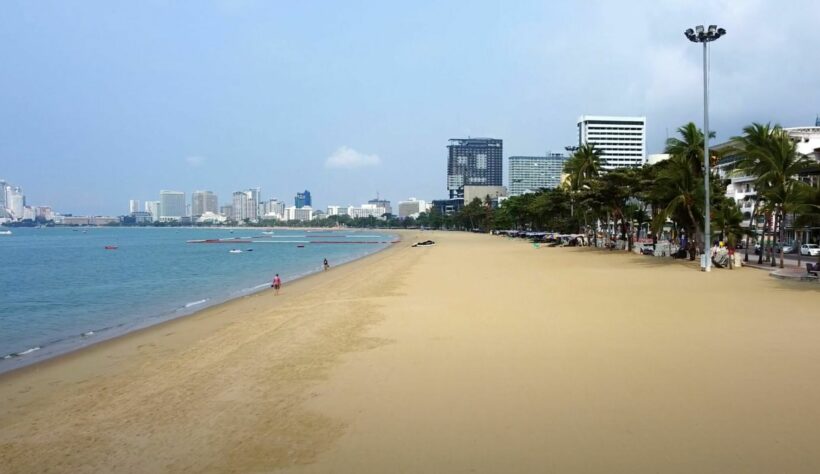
62,289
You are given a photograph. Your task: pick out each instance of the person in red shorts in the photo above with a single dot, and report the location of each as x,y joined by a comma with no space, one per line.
277,283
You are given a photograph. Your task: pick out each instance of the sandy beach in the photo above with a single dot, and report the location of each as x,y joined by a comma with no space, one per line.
479,354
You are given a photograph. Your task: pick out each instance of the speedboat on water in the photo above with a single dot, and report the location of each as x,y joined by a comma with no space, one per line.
234,251
5,232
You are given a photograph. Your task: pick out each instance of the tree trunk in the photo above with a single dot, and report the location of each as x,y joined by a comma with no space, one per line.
752,227
775,235
782,235
696,233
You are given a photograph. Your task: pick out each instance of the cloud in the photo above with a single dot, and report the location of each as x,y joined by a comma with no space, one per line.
194,160
346,157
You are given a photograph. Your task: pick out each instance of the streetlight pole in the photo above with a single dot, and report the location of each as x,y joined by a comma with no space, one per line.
705,36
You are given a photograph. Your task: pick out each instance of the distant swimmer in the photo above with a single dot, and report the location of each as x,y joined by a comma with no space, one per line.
326,265
277,283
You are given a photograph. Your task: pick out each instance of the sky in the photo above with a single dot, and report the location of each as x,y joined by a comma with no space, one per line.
106,101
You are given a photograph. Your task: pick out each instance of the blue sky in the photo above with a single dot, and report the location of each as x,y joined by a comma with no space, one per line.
101,102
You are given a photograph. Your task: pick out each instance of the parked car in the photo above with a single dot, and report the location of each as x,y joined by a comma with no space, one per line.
810,250
787,248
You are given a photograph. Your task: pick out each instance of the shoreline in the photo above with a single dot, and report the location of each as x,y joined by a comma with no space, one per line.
187,310
474,355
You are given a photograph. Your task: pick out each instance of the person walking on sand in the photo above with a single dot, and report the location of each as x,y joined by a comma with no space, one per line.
277,283
326,265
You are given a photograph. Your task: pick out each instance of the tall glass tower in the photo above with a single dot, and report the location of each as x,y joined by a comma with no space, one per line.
473,162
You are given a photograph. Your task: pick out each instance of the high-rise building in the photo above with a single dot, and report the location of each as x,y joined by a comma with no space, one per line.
621,140
384,203
303,199
202,202
171,205
15,201
304,213
411,208
272,209
133,206
367,210
3,186
240,206
246,205
531,173
152,207
473,161
336,210
227,211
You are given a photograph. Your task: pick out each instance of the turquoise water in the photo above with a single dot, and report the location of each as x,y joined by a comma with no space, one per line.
60,289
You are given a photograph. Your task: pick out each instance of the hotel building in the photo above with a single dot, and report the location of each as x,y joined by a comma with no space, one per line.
530,173
473,161
171,205
622,140
202,202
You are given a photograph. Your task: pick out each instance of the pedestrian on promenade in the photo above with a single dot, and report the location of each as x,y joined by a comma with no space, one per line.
277,283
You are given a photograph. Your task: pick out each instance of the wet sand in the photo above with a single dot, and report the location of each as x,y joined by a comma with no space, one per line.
480,354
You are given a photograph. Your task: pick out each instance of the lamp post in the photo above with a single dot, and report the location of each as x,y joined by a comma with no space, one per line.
705,36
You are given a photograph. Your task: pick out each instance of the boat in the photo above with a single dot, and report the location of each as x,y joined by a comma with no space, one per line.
300,246
266,232
111,247
234,251
232,240
5,232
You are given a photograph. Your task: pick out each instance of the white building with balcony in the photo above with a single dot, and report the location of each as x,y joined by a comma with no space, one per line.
367,210
741,186
294,213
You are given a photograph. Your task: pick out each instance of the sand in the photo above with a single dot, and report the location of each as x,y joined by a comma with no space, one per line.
480,354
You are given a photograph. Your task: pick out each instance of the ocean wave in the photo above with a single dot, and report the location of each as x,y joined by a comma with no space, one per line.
195,303
20,354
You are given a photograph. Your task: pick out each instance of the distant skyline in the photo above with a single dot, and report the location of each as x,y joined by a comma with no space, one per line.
102,102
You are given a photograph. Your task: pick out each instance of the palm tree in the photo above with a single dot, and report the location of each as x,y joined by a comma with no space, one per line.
777,167
682,195
727,219
751,146
583,165
689,147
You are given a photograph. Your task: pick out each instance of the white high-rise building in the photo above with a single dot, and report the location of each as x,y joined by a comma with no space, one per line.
133,206
3,189
171,205
622,140
246,204
272,209
411,208
152,207
15,201
202,202
531,173
367,210
336,210
293,213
